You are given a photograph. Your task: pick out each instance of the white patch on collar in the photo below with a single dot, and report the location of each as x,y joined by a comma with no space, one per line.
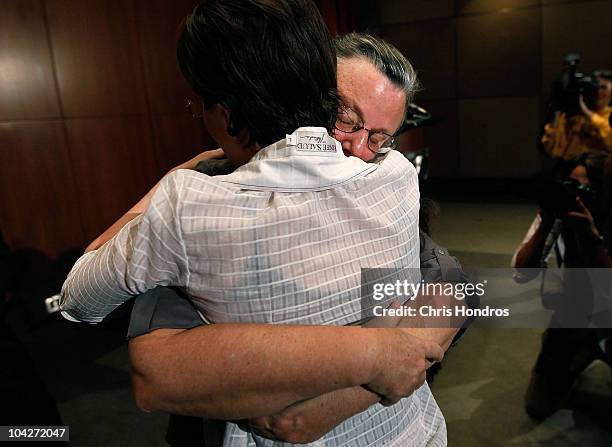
313,141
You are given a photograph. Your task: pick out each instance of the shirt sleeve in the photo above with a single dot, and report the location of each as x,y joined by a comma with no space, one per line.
438,265
147,252
554,141
601,124
165,307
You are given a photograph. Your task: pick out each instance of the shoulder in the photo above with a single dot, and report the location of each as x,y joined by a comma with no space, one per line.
191,192
395,165
187,182
177,187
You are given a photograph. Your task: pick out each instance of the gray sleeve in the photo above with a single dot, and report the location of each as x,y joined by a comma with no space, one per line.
215,166
162,308
438,265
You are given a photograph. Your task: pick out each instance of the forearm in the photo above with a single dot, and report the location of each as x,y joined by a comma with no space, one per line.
100,281
309,420
132,213
442,336
437,316
147,252
439,328
530,253
230,371
112,231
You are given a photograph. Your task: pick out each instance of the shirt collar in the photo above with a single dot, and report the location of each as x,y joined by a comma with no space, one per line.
307,160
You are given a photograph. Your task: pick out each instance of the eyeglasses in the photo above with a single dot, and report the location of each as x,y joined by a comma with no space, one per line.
191,107
348,121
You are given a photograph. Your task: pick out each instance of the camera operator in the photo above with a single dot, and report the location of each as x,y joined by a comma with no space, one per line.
584,227
581,116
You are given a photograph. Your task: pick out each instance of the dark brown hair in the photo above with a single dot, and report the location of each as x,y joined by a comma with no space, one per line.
271,63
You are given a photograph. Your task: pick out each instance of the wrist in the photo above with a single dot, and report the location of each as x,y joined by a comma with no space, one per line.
376,355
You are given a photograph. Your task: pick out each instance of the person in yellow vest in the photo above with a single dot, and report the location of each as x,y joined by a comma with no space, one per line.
568,137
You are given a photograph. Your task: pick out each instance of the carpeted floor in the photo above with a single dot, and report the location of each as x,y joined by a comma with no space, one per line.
482,383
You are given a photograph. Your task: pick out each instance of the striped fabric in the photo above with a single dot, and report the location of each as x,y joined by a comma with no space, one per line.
281,240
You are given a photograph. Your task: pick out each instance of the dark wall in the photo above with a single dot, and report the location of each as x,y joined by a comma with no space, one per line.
486,68
91,100
91,114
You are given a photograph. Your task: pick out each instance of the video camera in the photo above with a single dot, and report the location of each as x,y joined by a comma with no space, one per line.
558,194
568,88
558,197
417,117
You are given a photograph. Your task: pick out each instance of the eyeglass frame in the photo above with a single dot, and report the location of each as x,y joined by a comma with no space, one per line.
388,144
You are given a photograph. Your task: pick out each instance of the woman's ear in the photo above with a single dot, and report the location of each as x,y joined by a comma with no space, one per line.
216,121
224,116
242,139
237,148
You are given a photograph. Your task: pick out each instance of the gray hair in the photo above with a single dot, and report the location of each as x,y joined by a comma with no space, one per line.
384,56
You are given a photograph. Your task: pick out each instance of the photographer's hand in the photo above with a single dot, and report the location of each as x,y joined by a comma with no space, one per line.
587,112
529,254
590,243
582,223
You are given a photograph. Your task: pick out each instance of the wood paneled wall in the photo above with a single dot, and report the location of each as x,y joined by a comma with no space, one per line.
91,99
91,114
486,67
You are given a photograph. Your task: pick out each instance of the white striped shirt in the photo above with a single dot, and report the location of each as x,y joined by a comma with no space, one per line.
281,240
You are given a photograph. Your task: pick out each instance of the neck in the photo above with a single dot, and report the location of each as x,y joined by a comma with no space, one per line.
240,155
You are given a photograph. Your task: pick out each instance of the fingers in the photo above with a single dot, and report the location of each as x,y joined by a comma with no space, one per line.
387,402
582,206
433,352
576,215
393,399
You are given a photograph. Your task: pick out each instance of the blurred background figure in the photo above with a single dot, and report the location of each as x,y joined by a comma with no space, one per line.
574,207
580,108
573,224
